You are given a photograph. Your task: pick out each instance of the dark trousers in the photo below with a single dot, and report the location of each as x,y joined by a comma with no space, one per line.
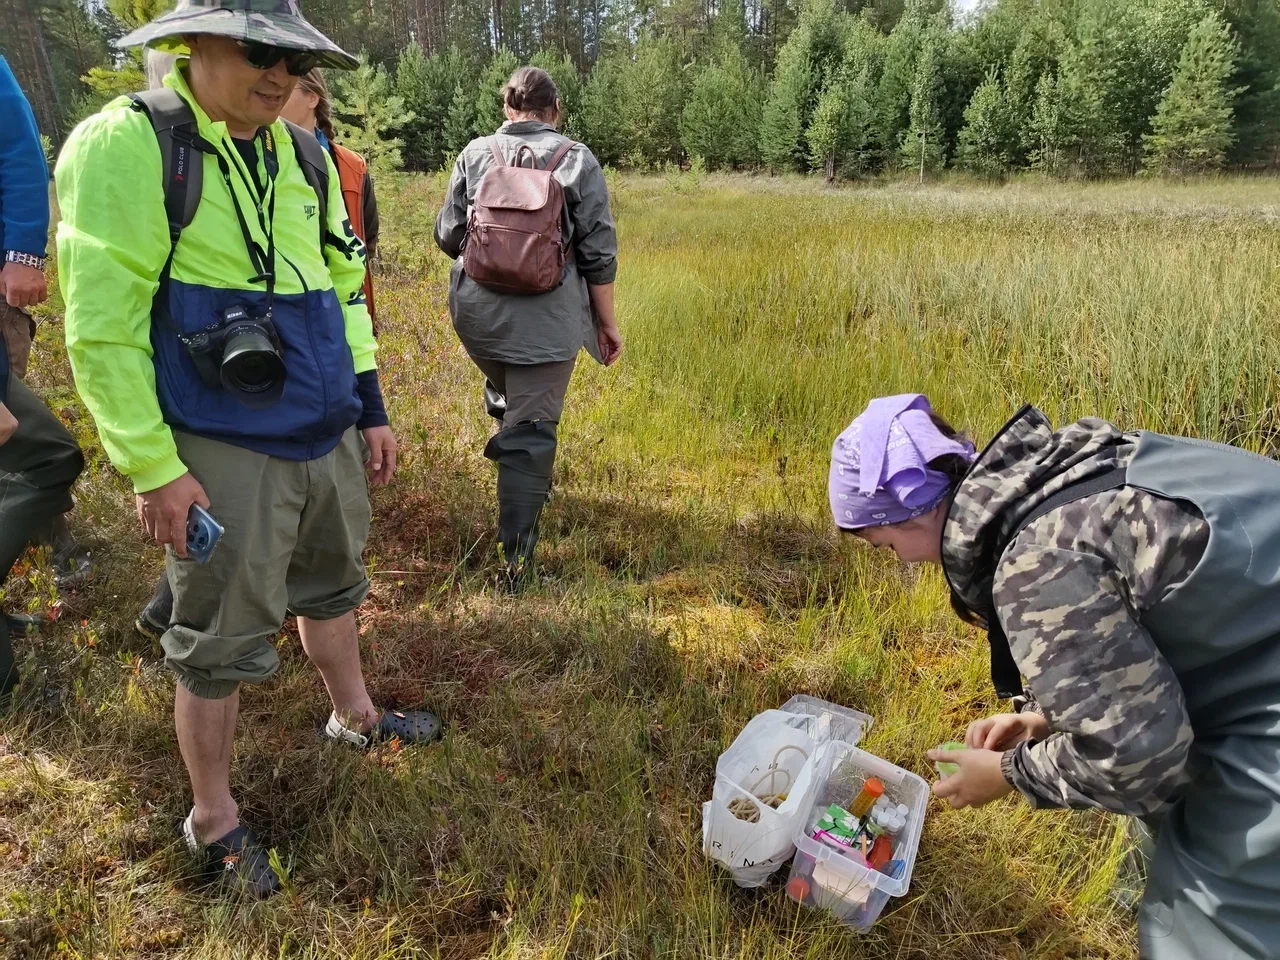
534,391
38,466
524,450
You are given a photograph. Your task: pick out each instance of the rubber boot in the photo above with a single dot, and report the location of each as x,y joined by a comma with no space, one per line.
525,455
494,402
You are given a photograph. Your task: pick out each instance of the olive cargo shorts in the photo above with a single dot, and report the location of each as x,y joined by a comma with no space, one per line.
295,533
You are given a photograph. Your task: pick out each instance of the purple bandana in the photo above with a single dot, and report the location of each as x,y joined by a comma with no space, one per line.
880,470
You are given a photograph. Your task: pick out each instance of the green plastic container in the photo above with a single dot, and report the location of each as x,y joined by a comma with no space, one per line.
948,769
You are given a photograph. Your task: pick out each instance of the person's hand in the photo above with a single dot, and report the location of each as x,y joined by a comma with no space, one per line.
23,286
382,454
163,511
8,424
610,340
978,781
1004,731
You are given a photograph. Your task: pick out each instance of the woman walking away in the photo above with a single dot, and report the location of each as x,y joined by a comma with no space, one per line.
1134,580
532,285
311,107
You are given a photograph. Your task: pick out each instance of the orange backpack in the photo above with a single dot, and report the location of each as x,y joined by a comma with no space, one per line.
351,169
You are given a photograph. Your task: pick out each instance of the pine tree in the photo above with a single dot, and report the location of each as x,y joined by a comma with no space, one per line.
708,117
605,132
893,95
987,140
863,50
1192,131
787,108
134,13
1148,43
107,83
411,86
1257,108
827,130
1051,126
75,39
651,104
782,126
922,143
368,115
720,121
1097,91
427,86
859,130
747,88
863,61
489,115
460,124
1020,81
809,61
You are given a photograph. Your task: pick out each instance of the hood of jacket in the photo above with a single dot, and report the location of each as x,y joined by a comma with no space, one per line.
1025,463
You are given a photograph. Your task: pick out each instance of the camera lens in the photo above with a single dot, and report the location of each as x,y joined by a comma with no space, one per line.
252,367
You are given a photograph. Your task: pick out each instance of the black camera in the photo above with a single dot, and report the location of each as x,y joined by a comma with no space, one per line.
242,355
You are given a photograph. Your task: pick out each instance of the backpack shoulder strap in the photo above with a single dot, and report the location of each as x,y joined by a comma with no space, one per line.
559,155
180,143
1111,479
498,158
315,167
182,167
1005,676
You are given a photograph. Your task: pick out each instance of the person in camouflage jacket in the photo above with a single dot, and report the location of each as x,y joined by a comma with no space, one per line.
1136,581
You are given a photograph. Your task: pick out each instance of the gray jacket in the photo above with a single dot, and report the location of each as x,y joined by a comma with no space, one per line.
548,327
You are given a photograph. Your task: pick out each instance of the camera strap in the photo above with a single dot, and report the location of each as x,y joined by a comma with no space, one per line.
264,262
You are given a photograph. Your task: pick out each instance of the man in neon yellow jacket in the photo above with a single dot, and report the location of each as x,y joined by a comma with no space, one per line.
281,471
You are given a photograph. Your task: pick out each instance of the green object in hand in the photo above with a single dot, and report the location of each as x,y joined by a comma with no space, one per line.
948,769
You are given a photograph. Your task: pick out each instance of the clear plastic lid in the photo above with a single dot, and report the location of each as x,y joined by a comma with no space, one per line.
830,721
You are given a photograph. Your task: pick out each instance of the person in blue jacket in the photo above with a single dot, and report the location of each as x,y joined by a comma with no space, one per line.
39,460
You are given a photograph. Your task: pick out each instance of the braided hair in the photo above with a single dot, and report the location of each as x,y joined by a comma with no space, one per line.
313,82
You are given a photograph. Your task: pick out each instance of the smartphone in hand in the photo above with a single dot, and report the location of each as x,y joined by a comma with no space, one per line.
203,533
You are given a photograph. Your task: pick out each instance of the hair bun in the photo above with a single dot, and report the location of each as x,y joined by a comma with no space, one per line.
531,90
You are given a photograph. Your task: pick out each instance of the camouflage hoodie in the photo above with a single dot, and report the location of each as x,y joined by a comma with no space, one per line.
1071,591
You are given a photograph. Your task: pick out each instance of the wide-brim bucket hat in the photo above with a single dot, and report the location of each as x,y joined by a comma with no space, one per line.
276,22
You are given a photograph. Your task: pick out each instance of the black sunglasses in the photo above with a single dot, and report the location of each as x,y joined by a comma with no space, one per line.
264,56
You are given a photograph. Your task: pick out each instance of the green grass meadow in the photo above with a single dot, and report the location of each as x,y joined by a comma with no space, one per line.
693,580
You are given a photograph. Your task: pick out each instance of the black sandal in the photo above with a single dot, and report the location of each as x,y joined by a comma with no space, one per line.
407,726
237,860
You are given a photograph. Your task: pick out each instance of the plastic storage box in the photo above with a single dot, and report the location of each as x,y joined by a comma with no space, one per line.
829,879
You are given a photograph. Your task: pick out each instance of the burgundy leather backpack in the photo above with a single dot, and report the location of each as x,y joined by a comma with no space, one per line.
514,241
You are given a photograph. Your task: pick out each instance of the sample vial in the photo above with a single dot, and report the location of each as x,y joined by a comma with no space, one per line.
872,791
